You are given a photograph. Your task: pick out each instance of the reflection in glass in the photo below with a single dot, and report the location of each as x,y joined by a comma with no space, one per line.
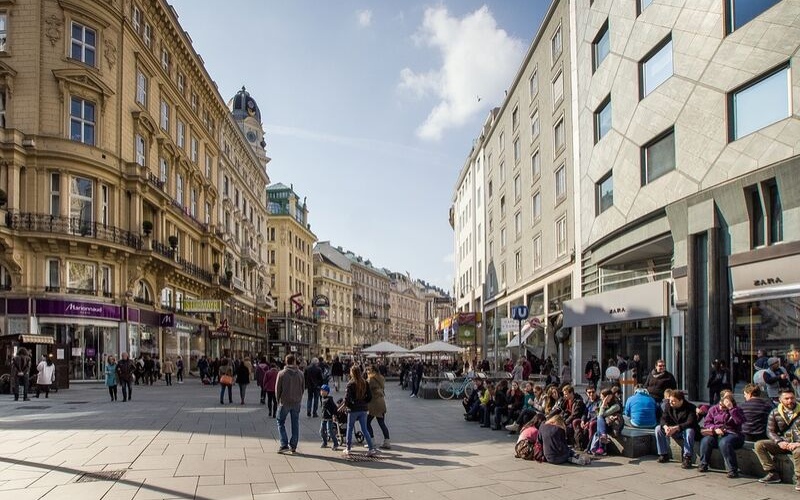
657,69
761,104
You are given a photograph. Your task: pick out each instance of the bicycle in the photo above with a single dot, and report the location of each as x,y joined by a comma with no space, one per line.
451,387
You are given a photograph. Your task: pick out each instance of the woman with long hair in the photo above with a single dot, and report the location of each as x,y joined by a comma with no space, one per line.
357,400
377,406
553,436
46,375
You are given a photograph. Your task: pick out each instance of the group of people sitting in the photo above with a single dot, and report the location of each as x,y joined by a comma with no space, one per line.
568,427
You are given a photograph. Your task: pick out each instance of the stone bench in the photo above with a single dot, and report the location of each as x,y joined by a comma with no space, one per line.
746,456
636,442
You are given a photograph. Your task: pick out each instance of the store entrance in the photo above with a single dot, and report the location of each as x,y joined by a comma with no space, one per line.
87,347
630,338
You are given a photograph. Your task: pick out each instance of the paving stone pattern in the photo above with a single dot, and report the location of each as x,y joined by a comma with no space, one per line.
178,442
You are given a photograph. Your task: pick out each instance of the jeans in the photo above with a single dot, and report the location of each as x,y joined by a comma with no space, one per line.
381,424
294,415
127,390
21,380
179,375
663,446
168,378
112,391
263,395
272,404
222,394
327,431
599,431
313,397
361,417
727,444
242,391
415,381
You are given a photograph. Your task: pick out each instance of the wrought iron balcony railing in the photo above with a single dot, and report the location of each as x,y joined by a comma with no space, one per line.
72,226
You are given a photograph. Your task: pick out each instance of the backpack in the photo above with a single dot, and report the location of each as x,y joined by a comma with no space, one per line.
528,450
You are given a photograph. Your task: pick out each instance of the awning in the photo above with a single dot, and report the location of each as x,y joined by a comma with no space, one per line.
526,332
649,300
766,279
36,339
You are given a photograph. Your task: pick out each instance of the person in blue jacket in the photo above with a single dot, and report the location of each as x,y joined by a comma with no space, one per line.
641,410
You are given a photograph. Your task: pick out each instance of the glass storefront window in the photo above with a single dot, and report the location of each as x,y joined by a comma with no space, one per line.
771,325
630,338
89,347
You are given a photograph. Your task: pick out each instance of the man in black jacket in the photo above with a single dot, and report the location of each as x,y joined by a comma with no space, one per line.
756,409
313,382
679,421
21,368
659,380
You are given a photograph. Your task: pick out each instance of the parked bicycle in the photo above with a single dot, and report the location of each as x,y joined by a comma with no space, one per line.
451,387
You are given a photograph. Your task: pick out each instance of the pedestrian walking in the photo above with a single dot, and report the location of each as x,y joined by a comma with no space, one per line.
179,368
337,372
376,409
46,375
313,376
111,377
168,368
126,369
417,371
327,429
242,379
270,377
289,386
225,380
21,366
357,400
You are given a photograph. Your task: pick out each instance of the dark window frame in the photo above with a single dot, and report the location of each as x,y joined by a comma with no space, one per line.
600,33
643,156
599,194
596,115
647,57
729,105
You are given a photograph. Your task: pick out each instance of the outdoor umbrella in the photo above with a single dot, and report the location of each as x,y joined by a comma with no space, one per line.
437,347
383,348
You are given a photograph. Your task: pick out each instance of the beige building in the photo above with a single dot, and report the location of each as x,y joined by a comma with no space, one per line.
407,320
290,244
333,282
112,148
514,208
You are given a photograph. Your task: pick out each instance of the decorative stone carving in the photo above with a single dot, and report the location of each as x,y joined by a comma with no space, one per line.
110,51
53,30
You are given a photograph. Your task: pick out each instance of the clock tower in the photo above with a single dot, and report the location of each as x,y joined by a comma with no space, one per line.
247,115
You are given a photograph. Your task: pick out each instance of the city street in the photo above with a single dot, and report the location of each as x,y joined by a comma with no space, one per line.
178,442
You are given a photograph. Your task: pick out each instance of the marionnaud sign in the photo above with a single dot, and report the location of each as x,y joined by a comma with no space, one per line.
49,307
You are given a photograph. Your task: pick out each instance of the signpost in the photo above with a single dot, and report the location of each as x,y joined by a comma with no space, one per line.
519,313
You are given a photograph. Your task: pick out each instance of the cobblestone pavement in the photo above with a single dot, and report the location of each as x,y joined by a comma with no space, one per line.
178,442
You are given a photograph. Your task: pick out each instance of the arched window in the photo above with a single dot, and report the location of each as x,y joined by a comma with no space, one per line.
143,293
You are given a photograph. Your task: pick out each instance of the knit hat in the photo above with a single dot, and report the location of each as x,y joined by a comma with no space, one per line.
772,361
325,388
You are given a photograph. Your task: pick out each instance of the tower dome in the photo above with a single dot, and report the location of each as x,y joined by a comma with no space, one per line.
242,105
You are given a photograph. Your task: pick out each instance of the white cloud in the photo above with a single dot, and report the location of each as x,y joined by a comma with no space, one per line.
479,59
364,18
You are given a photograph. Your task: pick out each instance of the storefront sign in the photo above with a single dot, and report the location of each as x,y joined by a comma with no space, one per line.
766,279
320,304
649,300
202,306
223,331
167,320
48,307
18,306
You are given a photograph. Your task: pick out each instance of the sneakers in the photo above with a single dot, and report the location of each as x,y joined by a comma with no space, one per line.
324,445
346,452
702,467
335,448
513,427
372,452
580,460
771,478
284,450
686,462
600,452
733,474
386,445
662,459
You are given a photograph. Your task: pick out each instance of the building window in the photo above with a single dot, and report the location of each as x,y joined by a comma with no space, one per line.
208,213
655,68
517,188
502,206
760,103
141,88
604,193
775,213
535,125
558,135
502,172
641,5
104,205
84,44
165,61
600,47
766,214
537,252
518,225
533,85
105,277
558,89
2,107
518,266
756,219
209,165
82,121
81,204
193,100
556,45
658,157
181,134
536,206
536,165
517,151
141,158
163,172
136,19
561,236
602,119
147,35
179,189
181,82
740,12
502,141
194,149
53,275
193,203
164,115
3,31
561,182
502,239
55,194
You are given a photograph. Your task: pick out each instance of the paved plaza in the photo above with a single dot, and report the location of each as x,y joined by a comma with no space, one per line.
178,442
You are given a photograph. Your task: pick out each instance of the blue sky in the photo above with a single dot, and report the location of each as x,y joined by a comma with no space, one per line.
369,107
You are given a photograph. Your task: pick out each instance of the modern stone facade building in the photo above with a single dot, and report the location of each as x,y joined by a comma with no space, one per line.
333,279
290,243
690,216
524,161
113,143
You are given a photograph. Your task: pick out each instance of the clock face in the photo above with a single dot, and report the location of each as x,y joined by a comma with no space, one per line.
251,136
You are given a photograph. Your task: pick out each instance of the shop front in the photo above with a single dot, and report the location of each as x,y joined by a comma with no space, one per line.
765,306
627,321
144,331
89,332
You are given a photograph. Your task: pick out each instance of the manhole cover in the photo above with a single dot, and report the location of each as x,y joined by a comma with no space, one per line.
354,457
32,407
106,475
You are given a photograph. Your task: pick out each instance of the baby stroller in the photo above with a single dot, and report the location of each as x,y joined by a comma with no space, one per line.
341,424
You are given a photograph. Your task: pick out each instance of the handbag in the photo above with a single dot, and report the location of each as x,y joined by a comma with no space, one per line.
226,380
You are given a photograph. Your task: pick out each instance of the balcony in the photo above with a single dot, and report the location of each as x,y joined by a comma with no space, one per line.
249,256
238,284
72,226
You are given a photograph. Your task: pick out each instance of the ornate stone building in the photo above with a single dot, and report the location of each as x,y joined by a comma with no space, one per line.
333,280
406,311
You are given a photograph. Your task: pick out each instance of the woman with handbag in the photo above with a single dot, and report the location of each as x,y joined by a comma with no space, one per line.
225,380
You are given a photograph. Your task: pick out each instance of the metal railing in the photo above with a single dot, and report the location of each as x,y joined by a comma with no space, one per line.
72,226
